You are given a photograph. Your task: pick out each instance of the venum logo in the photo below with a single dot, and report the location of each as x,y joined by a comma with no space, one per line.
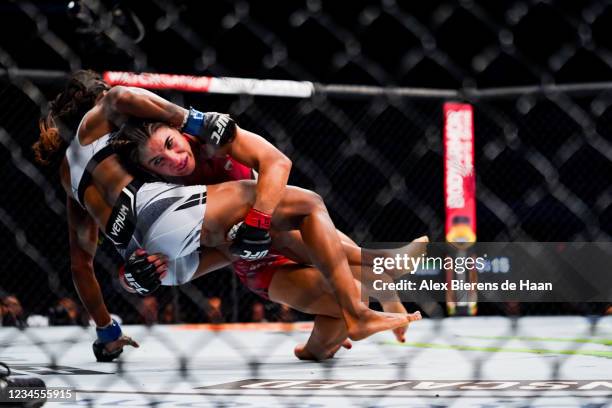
221,125
119,222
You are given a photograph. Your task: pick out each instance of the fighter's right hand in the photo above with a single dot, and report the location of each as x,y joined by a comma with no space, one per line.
252,238
211,128
143,272
110,342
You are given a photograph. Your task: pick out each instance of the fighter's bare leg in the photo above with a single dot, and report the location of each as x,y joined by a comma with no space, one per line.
360,258
290,244
304,288
300,209
414,249
318,232
296,285
212,259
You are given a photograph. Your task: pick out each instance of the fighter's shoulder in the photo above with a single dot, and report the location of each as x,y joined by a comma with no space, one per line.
92,118
93,124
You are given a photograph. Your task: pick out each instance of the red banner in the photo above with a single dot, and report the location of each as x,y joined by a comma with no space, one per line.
158,81
459,175
219,85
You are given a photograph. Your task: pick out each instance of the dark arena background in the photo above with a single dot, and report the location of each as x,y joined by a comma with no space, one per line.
369,139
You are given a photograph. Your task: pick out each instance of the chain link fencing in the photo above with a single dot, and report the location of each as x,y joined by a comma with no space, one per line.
543,154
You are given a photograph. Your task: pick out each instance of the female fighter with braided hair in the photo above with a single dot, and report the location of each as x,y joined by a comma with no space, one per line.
176,220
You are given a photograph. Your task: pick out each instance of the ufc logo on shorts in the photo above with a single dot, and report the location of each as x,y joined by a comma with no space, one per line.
253,256
221,125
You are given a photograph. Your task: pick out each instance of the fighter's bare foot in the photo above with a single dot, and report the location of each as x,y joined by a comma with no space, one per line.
306,352
371,322
397,307
414,249
303,353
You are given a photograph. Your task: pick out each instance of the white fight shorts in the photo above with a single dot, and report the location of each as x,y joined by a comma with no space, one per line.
169,220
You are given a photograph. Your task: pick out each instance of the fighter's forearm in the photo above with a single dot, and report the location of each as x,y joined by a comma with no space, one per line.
90,294
271,183
121,102
272,165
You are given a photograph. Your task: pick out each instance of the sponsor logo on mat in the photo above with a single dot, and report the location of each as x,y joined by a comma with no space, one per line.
418,386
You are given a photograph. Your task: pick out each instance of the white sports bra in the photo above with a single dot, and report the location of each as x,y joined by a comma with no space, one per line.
83,160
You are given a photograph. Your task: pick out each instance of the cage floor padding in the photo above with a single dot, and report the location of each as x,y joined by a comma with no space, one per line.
473,362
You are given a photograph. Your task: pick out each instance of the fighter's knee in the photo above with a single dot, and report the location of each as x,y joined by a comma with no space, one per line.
240,190
314,200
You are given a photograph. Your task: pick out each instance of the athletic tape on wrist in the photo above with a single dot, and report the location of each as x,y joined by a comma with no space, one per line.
258,219
195,121
109,333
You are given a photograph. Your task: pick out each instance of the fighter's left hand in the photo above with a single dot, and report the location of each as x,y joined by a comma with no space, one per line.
143,272
120,343
252,240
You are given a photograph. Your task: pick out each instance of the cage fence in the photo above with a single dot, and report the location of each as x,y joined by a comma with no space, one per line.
543,153
377,162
